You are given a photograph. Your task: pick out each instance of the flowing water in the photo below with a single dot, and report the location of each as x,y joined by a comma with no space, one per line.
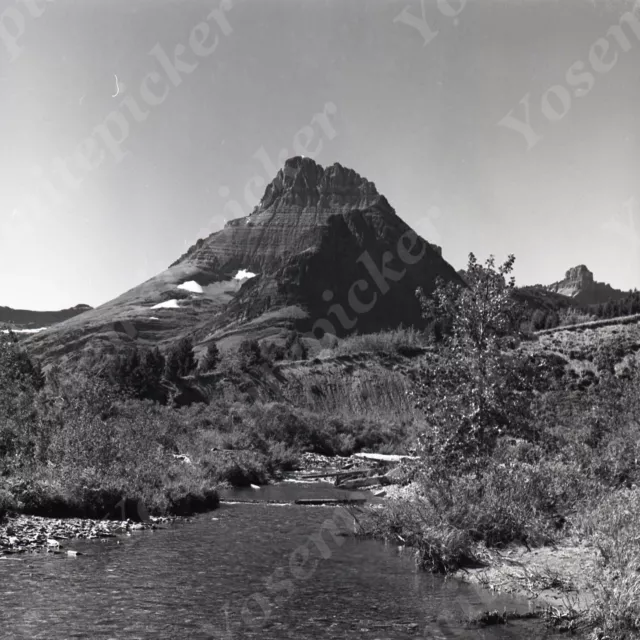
244,571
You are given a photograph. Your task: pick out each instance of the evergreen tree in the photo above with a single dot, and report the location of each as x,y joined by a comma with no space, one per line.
152,370
211,358
172,365
250,353
538,319
295,348
608,309
552,321
181,360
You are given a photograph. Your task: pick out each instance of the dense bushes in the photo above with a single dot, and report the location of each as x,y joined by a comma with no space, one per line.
75,445
549,462
79,442
452,514
397,341
278,428
614,529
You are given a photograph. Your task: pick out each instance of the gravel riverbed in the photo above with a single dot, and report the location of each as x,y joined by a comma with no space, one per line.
28,534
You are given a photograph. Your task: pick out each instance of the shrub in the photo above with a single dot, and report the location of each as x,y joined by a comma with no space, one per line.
7,503
439,548
239,469
402,341
211,359
451,516
250,354
614,529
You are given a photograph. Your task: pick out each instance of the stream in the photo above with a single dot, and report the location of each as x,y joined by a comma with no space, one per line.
261,570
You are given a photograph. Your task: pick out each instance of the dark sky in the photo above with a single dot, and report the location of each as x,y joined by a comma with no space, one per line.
412,101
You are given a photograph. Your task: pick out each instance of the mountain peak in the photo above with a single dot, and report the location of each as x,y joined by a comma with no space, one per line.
580,285
323,247
303,182
580,274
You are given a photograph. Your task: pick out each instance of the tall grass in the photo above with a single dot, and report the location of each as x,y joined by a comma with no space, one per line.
403,341
613,527
370,390
275,428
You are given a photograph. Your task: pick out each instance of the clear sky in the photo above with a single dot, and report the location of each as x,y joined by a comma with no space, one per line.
412,101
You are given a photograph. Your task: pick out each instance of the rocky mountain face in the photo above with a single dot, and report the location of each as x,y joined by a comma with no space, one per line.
578,284
322,251
23,319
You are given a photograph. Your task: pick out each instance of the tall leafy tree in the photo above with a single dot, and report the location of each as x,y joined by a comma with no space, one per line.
480,387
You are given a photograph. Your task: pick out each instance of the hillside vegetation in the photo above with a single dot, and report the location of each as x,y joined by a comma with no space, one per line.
522,438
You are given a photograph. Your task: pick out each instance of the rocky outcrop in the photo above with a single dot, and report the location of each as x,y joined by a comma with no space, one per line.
579,284
305,184
314,234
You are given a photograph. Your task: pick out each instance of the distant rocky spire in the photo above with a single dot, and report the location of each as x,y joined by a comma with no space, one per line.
580,285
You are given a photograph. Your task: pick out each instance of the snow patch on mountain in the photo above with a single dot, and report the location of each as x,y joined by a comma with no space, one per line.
168,304
191,286
243,274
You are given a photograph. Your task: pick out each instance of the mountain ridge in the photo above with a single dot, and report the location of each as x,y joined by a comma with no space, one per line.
27,319
324,250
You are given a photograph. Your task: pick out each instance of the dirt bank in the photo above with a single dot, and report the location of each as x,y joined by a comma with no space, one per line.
550,576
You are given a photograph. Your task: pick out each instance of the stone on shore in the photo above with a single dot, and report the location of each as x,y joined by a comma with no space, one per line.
23,534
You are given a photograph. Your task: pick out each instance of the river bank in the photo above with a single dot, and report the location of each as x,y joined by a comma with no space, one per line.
550,577
553,578
28,534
